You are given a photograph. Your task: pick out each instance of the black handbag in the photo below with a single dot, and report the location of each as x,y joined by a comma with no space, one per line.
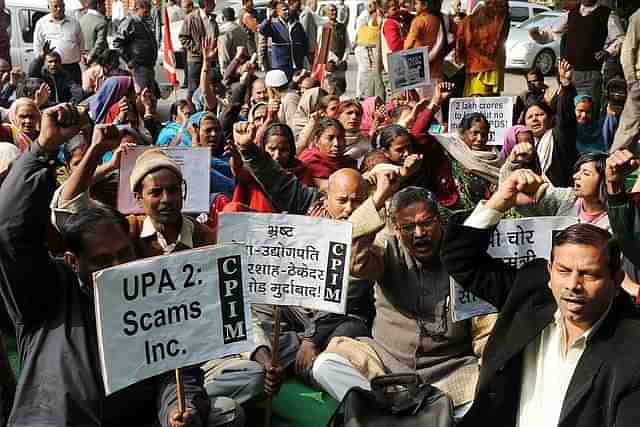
398,400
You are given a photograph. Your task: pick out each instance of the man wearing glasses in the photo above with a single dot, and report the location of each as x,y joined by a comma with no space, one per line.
413,329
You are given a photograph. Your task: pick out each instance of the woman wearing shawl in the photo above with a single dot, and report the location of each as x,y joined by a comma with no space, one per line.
591,133
480,46
475,167
279,143
326,155
205,131
555,146
103,106
24,124
515,135
350,115
172,132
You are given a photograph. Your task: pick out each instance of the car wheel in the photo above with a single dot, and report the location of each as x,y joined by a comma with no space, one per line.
545,61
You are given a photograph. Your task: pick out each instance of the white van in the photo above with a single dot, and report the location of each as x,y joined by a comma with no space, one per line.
24,15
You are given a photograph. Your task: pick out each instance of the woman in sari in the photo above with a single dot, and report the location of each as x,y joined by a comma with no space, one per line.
480,42
326,155
474,165
279,143
104,105
371,110
309,104
350,115
24,124
205,131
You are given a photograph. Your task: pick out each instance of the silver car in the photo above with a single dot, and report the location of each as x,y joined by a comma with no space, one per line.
523,53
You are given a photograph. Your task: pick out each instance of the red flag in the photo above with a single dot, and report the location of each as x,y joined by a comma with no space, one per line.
168,55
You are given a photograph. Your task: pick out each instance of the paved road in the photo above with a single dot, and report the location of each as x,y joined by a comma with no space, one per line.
514,84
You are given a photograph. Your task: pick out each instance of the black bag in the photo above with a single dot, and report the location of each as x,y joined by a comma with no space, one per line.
397,400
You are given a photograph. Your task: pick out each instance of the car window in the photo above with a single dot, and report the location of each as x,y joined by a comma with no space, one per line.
540,21
519,14
537,10
28,19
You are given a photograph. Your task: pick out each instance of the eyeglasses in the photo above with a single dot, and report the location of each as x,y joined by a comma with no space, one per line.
410,229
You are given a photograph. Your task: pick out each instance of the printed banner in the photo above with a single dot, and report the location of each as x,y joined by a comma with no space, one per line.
516,242
409,69
498,110
166,312
195,164
293,259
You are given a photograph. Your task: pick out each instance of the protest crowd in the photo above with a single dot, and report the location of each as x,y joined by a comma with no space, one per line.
425,158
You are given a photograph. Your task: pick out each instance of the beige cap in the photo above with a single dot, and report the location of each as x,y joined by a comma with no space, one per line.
150,161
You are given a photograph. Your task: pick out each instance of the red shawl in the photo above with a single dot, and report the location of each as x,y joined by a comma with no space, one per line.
321,166
249,194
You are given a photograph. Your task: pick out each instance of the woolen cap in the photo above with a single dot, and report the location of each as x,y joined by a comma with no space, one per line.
150,161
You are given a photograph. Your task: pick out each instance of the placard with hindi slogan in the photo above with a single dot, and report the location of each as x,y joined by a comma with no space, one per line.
195,164
497,110
516,242
409,69
167,312
293,259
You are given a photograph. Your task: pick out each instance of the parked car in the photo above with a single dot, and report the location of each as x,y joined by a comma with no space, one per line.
520,11
24,15
523,53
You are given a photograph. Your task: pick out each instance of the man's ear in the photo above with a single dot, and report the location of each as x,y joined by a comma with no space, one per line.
71,260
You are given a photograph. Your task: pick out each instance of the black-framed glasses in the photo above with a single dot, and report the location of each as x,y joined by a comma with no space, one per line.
410,229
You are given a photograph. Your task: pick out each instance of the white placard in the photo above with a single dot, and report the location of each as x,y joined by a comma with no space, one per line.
293,259
498,110
195,164
166,312
516,242
409,69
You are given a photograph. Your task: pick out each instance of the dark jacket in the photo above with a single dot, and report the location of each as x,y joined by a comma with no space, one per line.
605,388
289,44
63,88
136,42
624,217
60,383
194,32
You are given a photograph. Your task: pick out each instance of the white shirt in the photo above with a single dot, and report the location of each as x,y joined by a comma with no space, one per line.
117,10
185,237
546,369
65,37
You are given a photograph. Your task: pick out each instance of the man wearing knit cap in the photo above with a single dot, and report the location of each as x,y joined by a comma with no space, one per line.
157,183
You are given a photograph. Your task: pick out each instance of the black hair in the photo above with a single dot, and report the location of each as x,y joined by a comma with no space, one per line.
390,133
84,224
179,104
590,235
409,196
72,145
280,129
600,160
53,53
536,72
541,105
470,119
326,123
109,57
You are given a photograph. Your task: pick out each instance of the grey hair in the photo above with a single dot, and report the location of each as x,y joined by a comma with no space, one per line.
409,196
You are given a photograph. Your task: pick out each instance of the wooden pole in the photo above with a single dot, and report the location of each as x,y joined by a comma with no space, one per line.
180,392
275,358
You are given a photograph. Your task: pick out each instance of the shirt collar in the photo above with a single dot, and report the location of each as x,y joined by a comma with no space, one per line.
52,19
589,333
93,12
586,10
185,237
